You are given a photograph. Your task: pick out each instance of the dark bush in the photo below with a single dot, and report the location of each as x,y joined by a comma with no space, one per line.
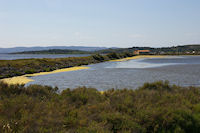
30,71
113,56
155,107
98,57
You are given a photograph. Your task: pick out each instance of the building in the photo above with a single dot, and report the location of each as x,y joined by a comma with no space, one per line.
141,52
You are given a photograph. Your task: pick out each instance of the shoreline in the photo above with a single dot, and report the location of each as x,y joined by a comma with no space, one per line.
140,57
24,78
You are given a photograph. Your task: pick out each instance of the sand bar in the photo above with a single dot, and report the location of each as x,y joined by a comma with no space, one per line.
140,57
58,71
24,78
17,80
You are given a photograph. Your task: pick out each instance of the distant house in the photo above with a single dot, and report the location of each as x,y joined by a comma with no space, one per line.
141,52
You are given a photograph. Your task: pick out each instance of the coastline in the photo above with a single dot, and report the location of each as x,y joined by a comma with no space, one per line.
140,57
24,78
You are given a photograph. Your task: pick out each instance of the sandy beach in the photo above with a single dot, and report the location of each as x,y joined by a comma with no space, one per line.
24,79
140,57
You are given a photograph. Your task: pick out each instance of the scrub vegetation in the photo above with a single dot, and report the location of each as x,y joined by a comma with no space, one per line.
11,68
155,107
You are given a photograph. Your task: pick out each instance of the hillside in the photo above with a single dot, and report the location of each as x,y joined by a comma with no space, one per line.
55,51
184,49
23,49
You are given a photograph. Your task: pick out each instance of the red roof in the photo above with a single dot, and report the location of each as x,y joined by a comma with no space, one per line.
143,50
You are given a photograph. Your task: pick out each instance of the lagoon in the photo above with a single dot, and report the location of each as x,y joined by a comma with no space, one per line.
179,70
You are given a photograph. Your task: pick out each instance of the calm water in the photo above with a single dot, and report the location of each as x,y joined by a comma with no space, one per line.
181,70
28,56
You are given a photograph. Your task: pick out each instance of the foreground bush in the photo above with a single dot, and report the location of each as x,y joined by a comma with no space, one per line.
154,107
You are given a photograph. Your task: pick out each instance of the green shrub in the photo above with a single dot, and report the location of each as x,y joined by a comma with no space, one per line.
98,57
155,107
158,85
30,71
113,56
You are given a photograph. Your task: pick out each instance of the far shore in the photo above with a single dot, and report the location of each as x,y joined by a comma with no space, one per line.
24,78
140,57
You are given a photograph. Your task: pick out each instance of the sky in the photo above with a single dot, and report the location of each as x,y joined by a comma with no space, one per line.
107,23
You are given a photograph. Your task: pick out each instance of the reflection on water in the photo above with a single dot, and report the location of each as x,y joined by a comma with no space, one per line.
130,74
139,63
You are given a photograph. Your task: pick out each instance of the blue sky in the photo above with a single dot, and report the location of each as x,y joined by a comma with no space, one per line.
110,23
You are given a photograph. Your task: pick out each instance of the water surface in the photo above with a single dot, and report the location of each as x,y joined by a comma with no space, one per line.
180,70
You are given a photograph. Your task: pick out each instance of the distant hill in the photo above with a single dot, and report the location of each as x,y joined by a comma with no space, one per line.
23,49
164,50
55,51
184,49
